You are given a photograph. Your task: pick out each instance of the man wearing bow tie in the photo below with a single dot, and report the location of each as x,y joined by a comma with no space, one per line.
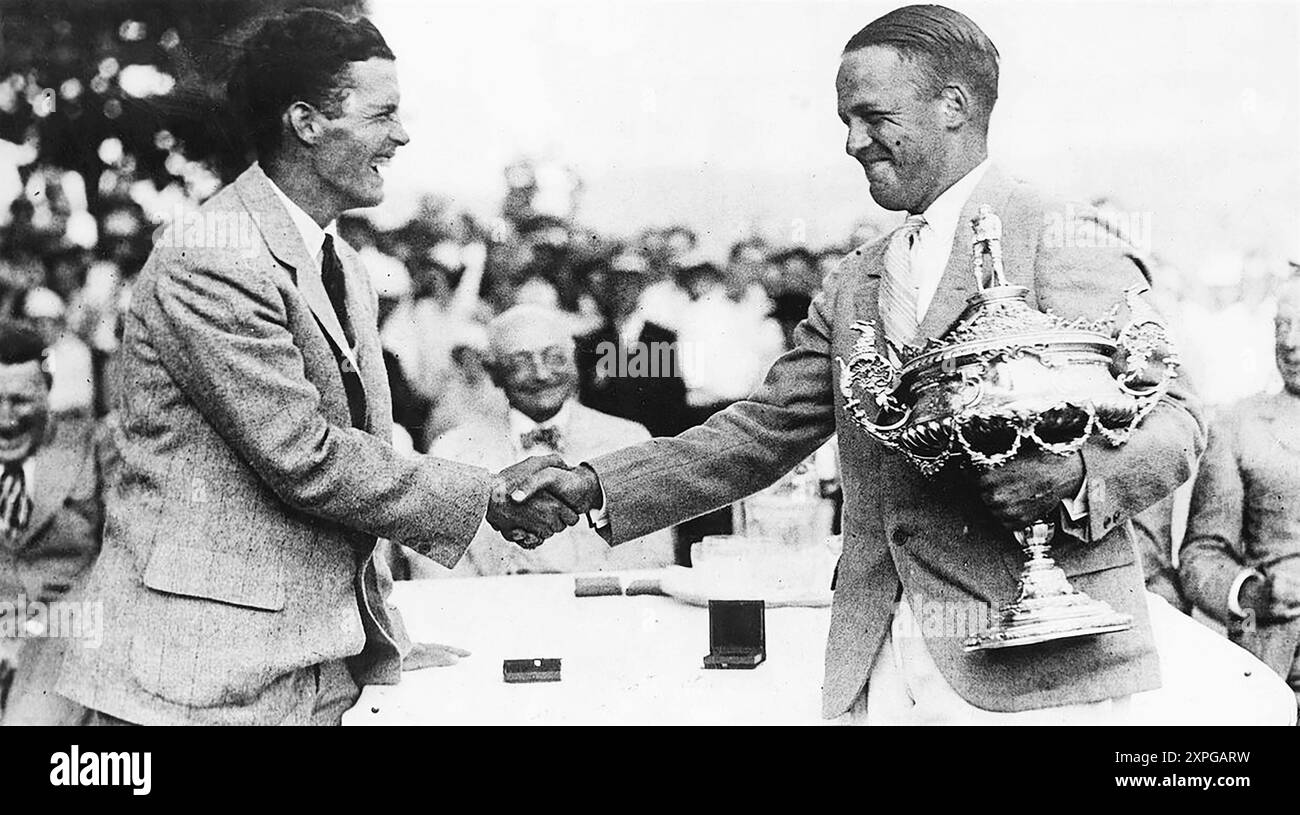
531,359
51,519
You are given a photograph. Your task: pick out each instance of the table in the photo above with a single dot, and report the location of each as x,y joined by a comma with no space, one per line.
626,660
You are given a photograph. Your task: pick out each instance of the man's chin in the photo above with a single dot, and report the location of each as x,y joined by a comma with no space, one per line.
10,455
886,195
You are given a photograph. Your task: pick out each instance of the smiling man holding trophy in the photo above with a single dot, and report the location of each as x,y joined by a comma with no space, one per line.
932,544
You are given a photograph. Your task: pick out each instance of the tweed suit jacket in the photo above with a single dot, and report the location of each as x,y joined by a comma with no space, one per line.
933,540
63,536
240,534
1245,514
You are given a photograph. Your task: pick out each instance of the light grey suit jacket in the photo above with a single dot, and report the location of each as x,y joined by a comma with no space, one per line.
240,533
1245,514
67,520
933,540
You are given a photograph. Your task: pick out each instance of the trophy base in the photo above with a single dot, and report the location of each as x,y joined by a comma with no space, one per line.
1032,620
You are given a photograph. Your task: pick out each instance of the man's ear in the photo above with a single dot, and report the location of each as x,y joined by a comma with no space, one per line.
954,106
304,121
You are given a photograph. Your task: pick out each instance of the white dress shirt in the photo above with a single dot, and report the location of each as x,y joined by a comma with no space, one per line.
313,239
929,256
932,245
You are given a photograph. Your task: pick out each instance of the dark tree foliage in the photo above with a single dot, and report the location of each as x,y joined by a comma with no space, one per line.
61,65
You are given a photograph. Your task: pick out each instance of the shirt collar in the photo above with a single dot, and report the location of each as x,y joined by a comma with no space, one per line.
313,237
943,214
521,424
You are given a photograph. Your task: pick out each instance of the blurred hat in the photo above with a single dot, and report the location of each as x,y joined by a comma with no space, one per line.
466,334
1222,269
41,303
629,262
387,274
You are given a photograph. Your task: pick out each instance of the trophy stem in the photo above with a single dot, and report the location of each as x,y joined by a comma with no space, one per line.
1047,607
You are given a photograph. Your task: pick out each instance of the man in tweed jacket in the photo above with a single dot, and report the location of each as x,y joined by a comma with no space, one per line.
237,574
915,91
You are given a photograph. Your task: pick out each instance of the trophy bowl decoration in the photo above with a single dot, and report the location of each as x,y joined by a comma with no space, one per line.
1008,378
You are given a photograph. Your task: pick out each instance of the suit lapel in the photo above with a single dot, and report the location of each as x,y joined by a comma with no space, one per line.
369,351
285,242
866,295
1282,423
957,283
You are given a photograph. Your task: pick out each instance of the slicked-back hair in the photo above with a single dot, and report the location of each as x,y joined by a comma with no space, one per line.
299,56
20,344
945,45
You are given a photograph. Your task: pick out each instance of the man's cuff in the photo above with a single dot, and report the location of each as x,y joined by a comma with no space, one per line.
1234,591
598,518
1076,509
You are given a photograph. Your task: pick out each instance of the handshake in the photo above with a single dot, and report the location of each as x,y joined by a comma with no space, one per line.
539,497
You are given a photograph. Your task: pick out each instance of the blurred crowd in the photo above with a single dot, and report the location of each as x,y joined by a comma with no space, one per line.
704,329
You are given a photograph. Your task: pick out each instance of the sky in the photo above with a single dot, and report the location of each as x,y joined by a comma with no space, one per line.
721,114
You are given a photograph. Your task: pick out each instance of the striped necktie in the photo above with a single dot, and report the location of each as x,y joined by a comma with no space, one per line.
15,503
898,287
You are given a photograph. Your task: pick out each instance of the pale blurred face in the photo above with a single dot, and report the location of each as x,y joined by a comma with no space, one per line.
24,410
894,129
535,368
356,145
1286,337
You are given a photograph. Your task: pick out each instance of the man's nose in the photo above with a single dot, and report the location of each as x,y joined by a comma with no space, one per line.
858,140
399,134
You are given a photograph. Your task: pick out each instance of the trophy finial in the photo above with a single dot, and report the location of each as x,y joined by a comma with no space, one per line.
987,239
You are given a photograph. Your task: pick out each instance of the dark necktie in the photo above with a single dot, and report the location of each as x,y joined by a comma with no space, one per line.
542,435
331,272
15,503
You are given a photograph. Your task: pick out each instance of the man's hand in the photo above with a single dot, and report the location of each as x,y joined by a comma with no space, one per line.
432,655
578,488
1277,597
1030,487
528,523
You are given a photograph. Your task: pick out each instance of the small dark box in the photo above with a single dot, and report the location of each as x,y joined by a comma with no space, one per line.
531,670
737,634
596,586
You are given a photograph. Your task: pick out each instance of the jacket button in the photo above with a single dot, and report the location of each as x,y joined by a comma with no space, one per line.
901,536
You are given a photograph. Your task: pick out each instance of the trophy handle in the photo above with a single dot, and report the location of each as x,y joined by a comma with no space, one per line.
1143,340
886,434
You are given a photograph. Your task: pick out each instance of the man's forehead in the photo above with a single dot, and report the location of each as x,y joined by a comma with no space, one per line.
22,377
530,336
373,82
876,70
1288,300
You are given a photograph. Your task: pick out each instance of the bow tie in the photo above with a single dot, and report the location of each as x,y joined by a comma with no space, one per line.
541,436
15,503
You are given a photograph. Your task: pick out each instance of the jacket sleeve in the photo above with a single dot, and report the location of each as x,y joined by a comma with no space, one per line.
1212,555
223,336
738,451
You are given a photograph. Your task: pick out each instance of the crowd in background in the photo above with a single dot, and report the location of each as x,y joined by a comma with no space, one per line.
443,275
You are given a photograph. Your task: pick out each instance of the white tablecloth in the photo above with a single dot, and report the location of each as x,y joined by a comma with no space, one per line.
626,660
